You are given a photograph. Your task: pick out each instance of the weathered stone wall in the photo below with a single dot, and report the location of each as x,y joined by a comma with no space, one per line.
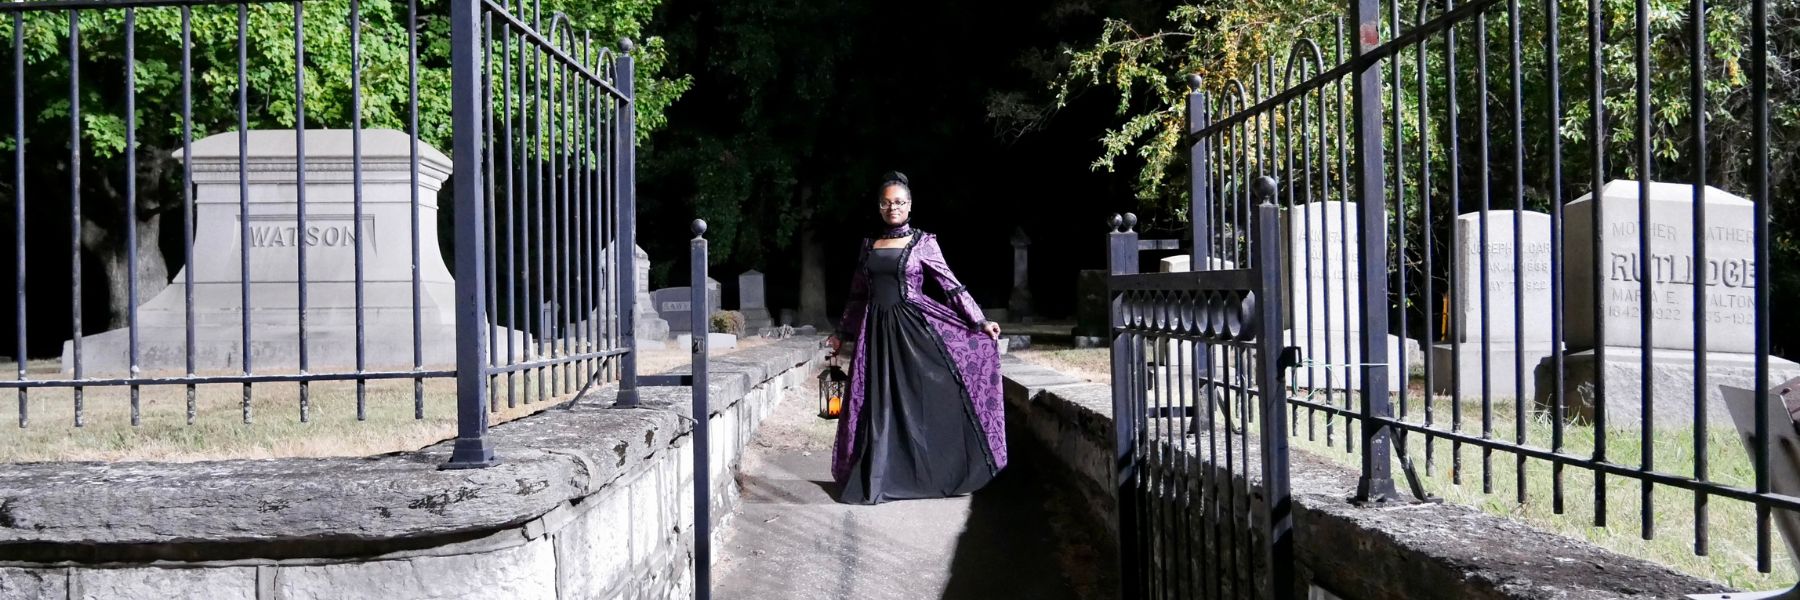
588,502
1355,553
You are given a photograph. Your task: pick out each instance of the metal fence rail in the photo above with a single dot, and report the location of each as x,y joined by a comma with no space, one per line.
1488,256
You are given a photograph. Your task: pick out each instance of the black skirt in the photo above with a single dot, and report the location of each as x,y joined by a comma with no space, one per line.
917,435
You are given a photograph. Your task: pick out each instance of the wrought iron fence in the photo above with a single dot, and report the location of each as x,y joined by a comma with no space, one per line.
1197,369
1526,234
296,143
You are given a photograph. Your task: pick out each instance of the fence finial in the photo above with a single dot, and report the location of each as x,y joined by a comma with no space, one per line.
1265,189
699,227
1117,222
1193,81
625,45
1130,221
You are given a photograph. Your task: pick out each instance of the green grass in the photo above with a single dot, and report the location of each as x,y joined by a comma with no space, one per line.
1490,480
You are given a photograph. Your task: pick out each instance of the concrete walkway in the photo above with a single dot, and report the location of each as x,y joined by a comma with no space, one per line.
792,541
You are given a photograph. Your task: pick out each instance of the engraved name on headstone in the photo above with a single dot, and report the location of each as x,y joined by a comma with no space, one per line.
269,235
1515,283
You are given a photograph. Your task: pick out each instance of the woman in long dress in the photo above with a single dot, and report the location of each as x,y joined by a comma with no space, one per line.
924,417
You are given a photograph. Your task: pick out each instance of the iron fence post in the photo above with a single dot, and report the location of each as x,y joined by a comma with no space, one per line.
1268,311
1199,197
625,244
1377,482
472,449
698,320
1122,259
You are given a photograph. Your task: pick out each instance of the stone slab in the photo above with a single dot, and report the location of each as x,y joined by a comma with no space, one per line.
1672,377
230,583
526,572
33,584
1499,364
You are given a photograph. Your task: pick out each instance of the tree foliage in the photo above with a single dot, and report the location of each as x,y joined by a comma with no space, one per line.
1248,46
77,61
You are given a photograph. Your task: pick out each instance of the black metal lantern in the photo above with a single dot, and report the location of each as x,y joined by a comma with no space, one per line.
834,385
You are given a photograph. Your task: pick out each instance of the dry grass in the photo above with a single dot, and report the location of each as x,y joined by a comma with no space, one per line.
1092,364
1491,480
396,417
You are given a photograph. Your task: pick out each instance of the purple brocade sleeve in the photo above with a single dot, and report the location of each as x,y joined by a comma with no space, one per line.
850,324
957,294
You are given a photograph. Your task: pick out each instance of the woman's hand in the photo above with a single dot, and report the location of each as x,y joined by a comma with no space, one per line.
992,329
835,344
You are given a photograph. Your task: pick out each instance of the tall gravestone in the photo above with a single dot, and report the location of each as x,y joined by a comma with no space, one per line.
1728,273
753,301
1323,297
649,325
1496,351
1019,305
275,239
1092,308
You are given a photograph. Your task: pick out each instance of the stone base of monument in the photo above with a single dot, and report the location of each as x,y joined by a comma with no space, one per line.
1016,342
651,328
1330,360
275,346
757,318
714,341
1671,384
1460,373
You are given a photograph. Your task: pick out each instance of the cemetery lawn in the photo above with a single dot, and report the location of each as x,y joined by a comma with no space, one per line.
1492,484
219,432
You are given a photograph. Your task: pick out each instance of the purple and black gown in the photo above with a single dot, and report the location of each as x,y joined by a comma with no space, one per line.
924,418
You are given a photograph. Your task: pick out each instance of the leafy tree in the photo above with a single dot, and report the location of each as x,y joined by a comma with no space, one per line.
211,36
1248,43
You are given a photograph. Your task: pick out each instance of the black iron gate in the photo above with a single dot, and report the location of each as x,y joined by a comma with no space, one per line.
1197,361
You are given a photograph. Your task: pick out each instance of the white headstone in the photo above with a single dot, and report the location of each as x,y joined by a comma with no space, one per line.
1324,307
1510,289
1728,272
1729,269
330,237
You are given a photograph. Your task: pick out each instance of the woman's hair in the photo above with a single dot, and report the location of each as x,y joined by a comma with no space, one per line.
894,178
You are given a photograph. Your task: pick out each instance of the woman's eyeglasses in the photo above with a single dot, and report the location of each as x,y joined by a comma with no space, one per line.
895,205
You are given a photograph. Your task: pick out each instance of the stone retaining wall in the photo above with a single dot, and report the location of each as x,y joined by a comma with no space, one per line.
588,502
1403,552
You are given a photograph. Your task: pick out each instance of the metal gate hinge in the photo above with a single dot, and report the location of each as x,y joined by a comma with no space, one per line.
1290,358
